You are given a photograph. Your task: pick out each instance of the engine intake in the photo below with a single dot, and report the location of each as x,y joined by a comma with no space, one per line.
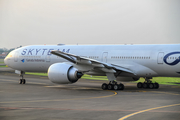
63,73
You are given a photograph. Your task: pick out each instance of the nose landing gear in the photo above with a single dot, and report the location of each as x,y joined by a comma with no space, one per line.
22,81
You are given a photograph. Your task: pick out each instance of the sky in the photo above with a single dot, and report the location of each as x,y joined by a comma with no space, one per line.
31,22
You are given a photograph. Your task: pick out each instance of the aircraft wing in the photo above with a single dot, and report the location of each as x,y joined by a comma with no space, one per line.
106,67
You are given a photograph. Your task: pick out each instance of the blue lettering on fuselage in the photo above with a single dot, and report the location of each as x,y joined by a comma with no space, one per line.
41,51
174,62
24,52
44,51
63,50
37,50
30,51
49,52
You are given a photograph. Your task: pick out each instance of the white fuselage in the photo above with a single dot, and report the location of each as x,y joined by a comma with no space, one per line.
143,60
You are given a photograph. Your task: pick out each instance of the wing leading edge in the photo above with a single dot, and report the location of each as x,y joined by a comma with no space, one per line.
105,67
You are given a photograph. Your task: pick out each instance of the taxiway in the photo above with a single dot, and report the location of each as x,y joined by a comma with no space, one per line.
39,98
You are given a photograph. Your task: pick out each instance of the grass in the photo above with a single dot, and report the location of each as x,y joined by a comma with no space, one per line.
40,74
94,77
160,80
3,66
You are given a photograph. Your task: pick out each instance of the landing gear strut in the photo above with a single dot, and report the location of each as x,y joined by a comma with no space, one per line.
22,81
112,86
148,84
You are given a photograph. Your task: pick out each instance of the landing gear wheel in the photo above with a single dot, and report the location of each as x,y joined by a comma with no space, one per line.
156,85
121,86
110,87
23,81
145,85
20,81
116,87
139,85
151,85
104,86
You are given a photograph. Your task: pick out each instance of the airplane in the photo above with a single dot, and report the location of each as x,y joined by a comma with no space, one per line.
67,63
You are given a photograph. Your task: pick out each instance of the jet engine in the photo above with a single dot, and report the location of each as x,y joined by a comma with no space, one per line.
62,73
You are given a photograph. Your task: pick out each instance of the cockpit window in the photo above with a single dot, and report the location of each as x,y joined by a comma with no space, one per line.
9,55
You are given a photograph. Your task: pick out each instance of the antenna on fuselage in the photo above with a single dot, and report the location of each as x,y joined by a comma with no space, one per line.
60,44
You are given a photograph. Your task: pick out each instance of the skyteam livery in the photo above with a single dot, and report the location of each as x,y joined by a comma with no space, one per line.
67,63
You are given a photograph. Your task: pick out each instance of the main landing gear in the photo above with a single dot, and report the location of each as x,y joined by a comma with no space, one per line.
148,84
112,86
22,81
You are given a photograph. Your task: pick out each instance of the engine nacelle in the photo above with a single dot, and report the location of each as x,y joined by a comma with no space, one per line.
125,79
63,73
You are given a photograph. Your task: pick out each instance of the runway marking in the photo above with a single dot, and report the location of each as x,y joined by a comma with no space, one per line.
132,114
40,108
153,92
115,93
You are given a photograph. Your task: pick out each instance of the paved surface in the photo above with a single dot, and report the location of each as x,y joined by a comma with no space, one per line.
40,99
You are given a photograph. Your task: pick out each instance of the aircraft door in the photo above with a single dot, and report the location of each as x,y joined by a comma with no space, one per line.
160,58
16,57
104,56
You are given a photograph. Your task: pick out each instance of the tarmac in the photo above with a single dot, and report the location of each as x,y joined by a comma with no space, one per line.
40,99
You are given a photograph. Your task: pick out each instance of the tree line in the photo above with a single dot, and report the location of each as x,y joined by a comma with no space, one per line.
7,50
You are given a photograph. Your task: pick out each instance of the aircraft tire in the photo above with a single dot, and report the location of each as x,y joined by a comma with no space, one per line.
20,81
23,81
156,85
104,86
139,85
110,87
151,85
121,86
116,87
145,85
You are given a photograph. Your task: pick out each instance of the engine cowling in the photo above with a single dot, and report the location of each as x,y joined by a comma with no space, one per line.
62,73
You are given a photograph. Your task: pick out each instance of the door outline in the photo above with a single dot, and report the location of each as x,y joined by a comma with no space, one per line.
160,57
16,57
104,57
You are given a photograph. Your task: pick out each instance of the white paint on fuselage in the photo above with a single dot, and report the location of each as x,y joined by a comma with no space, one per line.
141,59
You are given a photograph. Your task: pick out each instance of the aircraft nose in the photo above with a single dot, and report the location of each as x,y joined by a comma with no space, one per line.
6,61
